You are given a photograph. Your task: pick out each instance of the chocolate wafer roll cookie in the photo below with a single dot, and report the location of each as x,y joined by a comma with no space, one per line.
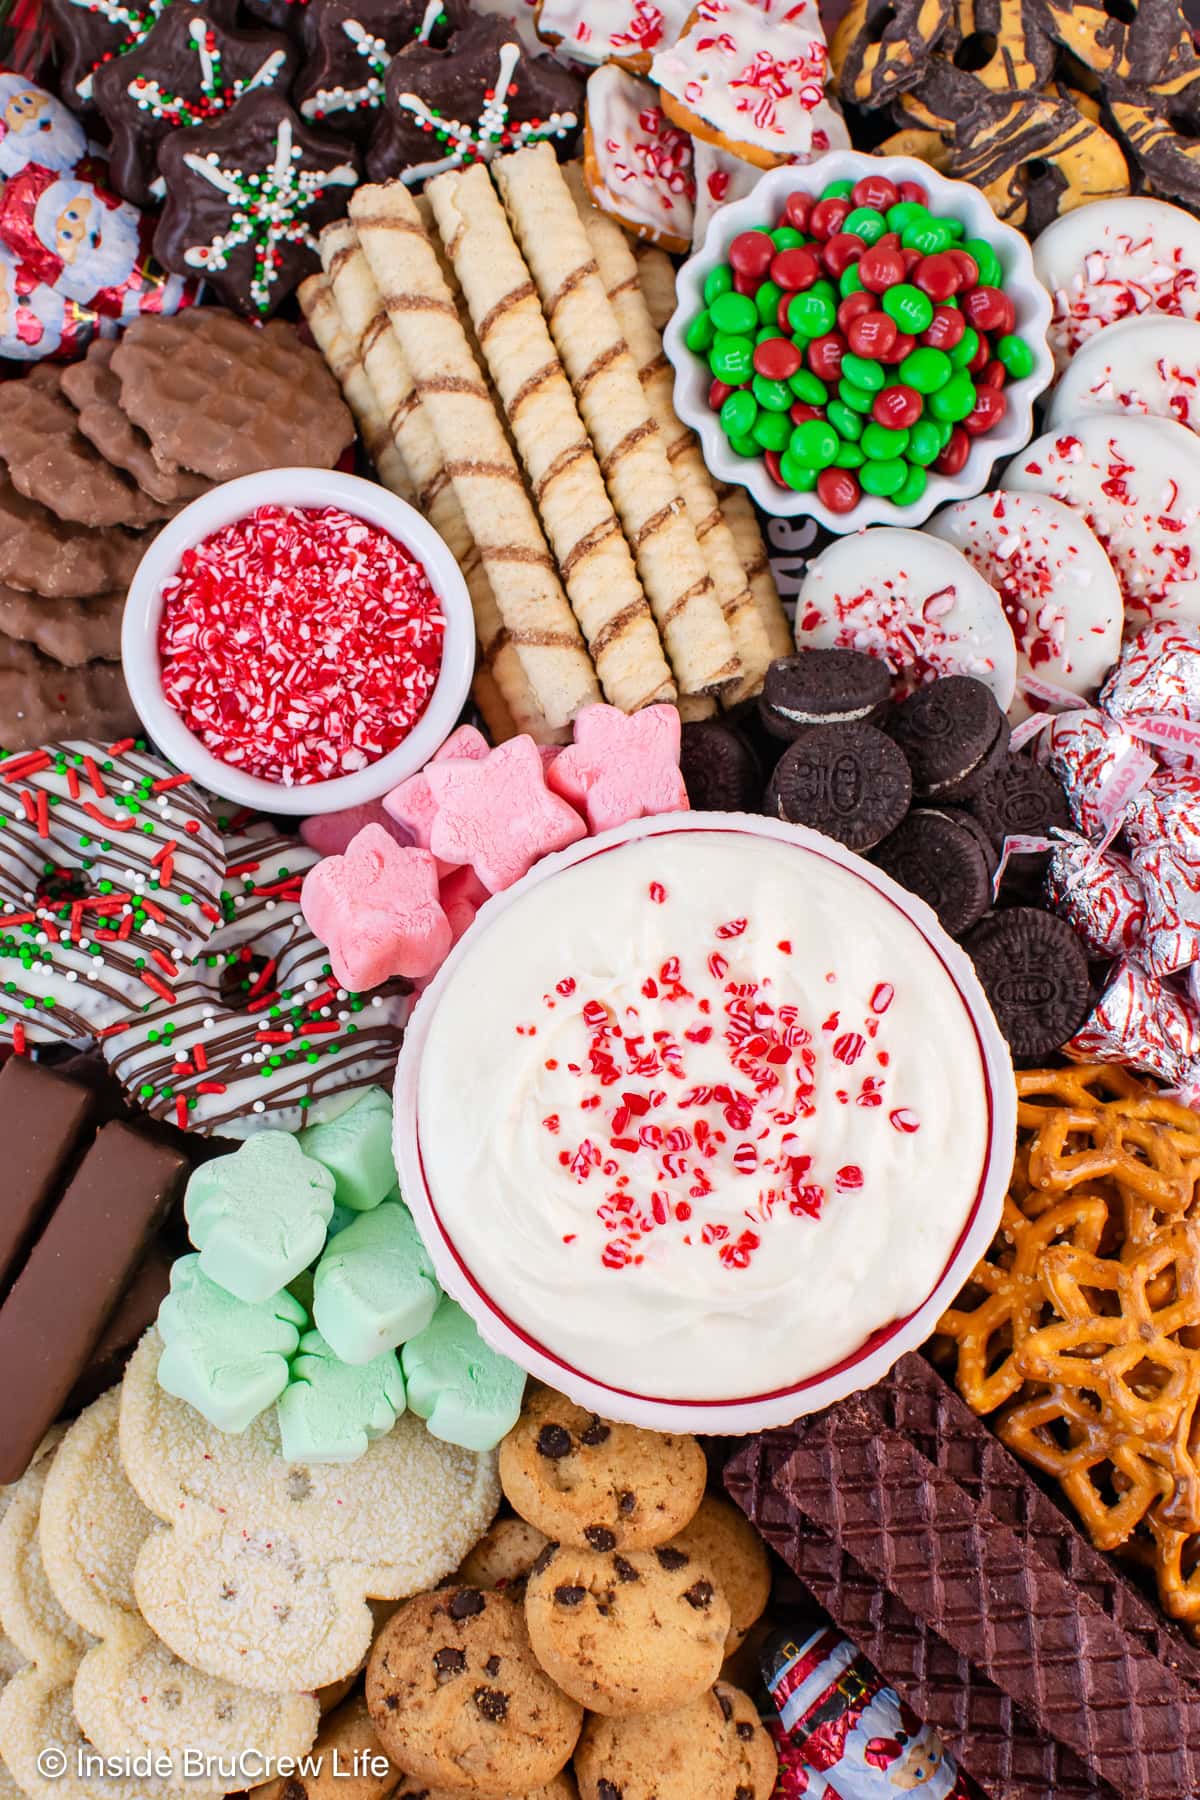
618,271
630,447
332,340
364,316
565,479
476,453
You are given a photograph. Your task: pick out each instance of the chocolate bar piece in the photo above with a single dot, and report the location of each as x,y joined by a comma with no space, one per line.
42,1125
136,1311
918,1519
73,1278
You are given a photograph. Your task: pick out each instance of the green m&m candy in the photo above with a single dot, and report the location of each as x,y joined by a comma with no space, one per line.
838,190
881,444
912,487
733,313
808,387
814,443
700,333
766,301
844,419
1016,355
738,413
926,369
731,359
798,476
924,442
850,281
991,272
718,281
883,479
786,237
772,430
812,314
745,446
858,399
909,307
904,214
865,223
849,456
954,401
964,351
775,396
927,235
863,372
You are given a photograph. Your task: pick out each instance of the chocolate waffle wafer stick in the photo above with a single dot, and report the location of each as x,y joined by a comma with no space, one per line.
365,319
568,488
324,321
656,274
477,455
632,454
618,271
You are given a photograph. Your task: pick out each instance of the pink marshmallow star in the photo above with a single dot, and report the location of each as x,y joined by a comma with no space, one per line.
331,833
499,815
411,804
621,766
377,911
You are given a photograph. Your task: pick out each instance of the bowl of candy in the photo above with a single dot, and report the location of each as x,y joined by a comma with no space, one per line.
859,341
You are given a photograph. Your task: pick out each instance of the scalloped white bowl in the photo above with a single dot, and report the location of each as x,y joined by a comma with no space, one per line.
955,199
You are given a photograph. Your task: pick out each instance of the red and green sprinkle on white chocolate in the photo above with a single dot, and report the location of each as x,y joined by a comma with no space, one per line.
300,644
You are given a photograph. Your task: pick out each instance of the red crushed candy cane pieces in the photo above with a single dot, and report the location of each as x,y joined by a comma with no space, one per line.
300,644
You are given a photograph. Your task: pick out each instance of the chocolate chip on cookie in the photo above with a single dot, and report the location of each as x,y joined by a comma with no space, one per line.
694,1750
594,1483
620,1645
456,1695
723,1540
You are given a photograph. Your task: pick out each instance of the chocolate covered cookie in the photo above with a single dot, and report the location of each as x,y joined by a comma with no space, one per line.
1035,975
849,781
823,687
480,94
458,1698
246,194
353,42
626,1632
189,67
946,860
87,35
719,768
953,734
591,1482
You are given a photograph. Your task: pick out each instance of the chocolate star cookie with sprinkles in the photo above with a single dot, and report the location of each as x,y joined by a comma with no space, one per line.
91,33
111,872
353,42
191,66
480,95
246,195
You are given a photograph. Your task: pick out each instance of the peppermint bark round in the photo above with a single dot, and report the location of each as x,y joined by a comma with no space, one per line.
246,195
480,95
188,68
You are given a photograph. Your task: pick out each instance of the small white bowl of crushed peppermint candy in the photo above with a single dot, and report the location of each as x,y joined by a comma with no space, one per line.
298,641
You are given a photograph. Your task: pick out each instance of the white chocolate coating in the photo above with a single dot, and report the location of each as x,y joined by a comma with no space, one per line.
1113,260
1144,365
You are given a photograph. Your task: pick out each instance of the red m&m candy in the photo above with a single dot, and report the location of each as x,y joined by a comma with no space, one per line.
842,249
875,191
825,355
989,408
776,358
795,270
988,309
828,216
872,334
938,276
751,254
838,489
880,269
897,407
945,329
853,307
954,456
797,210
914,193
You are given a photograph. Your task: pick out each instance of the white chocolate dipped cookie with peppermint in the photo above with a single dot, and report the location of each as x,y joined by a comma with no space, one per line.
1113,260
257,1031
111,868
637,163
1148,365
1136,483
914,602
628,32
747,77
1055,583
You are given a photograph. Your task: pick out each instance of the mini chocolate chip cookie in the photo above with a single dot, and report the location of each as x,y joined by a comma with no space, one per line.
724,1539
586,1481
626,1633
458,1699
504,1556
698,1750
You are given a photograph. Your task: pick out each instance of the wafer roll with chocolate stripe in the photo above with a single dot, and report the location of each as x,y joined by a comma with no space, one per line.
489,702
743,523
364,317
568,488
656,272
633,457
618,271
325,322
476,453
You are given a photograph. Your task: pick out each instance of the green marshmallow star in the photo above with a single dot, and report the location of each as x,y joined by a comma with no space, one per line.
259,1217
356,1148
225,1357
330,1412
374,1287
466,1393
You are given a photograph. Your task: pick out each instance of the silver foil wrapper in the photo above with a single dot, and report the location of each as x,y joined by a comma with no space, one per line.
1100,896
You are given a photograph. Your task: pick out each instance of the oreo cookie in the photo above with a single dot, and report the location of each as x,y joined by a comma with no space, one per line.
954,736
1035,974
849,781
823,687
719,768
947,860
1020,798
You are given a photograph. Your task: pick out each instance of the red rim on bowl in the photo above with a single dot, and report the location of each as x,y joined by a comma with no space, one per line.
888,1341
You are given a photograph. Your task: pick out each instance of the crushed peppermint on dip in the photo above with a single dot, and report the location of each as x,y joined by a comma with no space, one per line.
300,643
